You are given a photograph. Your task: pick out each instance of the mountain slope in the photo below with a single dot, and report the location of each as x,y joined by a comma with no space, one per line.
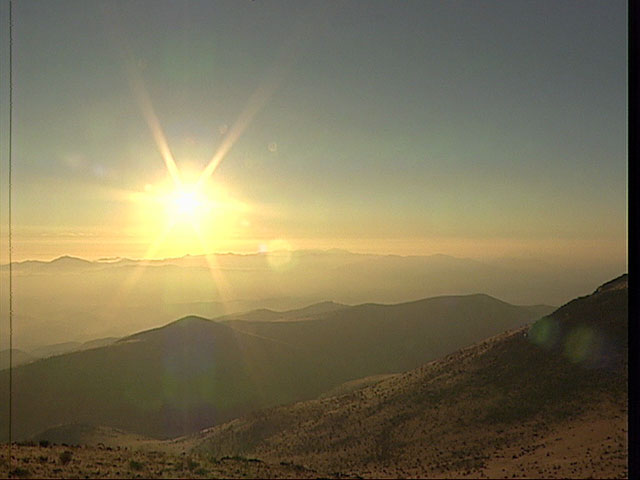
18,357
371,339
161,382
519,394
195,373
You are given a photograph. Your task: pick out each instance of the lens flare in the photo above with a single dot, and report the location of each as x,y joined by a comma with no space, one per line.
545,332
580,345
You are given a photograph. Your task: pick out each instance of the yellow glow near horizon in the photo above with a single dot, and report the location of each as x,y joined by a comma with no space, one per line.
195,219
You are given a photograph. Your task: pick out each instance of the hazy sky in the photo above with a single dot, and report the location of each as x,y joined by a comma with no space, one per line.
470,128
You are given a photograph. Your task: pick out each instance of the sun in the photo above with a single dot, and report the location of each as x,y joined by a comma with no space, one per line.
186,202
188,218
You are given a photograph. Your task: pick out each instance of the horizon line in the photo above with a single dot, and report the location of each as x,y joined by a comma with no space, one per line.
115,259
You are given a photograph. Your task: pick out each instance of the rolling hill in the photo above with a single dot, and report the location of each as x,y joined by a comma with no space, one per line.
549,400
194,373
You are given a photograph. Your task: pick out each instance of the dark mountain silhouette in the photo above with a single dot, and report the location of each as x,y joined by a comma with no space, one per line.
394,338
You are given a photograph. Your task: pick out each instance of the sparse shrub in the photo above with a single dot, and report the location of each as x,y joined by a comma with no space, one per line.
201,471
19,473
43,459
191,464
66,456
133,465
240,458
44,443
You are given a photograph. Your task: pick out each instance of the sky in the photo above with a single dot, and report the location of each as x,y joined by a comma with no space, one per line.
478,129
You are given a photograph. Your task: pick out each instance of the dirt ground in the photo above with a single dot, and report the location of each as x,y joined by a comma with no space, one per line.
107,462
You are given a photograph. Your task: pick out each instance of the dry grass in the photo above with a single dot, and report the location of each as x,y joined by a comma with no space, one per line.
434,422
108,462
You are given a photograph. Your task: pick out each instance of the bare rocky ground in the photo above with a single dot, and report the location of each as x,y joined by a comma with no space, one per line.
592,446
58,461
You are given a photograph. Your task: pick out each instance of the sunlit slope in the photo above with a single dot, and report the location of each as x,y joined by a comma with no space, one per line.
547,400
371,339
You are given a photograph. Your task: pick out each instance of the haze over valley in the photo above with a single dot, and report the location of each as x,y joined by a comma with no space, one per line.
73,300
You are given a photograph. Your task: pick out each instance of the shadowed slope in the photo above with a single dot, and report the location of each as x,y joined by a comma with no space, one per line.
371,339
163,382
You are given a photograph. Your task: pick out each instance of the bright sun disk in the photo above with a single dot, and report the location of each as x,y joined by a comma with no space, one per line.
185,202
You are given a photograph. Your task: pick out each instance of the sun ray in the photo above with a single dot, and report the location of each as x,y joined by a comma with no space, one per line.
144,102
223,287
140,93
140,267
186,201
256,102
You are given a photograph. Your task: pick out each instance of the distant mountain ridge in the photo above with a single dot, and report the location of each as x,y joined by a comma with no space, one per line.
265,314
116,297
21,357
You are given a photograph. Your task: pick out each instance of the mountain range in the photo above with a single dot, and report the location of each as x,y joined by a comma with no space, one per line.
75,300
194,373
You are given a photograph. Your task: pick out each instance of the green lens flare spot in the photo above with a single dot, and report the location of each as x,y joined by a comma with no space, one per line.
579,344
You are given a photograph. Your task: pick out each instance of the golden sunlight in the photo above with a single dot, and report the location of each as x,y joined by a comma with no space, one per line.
188,219
186,203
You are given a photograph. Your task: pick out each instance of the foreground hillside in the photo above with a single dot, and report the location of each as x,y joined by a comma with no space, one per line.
549,400
195,373
57,461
